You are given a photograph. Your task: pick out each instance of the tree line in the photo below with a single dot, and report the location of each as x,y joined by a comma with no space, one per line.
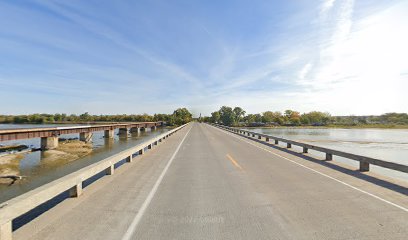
178,117
237,117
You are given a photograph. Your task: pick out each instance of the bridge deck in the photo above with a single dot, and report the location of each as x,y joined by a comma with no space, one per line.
223,186
26,133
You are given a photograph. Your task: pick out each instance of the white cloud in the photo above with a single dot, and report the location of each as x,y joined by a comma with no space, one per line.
305,70
361,68
326,6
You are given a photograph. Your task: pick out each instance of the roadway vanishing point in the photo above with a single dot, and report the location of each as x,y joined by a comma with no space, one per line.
200,181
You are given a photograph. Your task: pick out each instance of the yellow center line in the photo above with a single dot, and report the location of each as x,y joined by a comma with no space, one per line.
234,162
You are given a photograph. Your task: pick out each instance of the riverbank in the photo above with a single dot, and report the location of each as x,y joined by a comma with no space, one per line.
12,148
365,126
9,167
67,151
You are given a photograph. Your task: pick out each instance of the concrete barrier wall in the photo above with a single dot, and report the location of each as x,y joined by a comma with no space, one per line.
364,161
22,204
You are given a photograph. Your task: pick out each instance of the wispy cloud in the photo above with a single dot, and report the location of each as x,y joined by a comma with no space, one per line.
154,56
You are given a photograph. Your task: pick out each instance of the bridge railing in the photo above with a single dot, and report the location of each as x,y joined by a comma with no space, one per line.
72,183
363,160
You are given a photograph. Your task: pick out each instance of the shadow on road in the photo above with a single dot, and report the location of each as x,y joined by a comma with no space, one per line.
355,173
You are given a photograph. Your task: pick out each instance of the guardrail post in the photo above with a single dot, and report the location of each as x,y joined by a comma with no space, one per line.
276,142
305,150
364,166
129,159
76,190
141,151
149,146
288,145
329,156
110,170
267,139
259,137
6,231
253,135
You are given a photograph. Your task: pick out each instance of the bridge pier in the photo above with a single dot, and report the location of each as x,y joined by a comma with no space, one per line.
85,137
135,130
109,133
153,128
6,231
123,132
142,129
49,143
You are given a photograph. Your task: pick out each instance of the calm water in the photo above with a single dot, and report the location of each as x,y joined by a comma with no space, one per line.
386,144
39,174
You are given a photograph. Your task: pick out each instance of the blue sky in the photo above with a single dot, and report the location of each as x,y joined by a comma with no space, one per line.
106,57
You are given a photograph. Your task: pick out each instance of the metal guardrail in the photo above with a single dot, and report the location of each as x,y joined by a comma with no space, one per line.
364,161
22,204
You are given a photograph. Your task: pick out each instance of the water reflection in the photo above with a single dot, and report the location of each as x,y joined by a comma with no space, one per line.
39,173
387,144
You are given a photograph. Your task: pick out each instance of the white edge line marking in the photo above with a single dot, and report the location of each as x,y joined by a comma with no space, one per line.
313,170
132,227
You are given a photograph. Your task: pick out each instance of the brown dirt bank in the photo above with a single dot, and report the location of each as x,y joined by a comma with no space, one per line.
67,151
9,166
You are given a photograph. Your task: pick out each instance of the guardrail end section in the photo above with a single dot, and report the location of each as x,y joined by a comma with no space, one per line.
6,231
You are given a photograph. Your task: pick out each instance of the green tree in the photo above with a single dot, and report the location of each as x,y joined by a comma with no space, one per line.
227,115
239,113
181,116
85,117
275,117
215,117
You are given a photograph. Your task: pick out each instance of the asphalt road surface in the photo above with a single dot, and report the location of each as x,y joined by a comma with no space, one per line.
206,183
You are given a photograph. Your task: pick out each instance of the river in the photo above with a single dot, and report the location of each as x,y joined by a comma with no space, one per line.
39,174
386,144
